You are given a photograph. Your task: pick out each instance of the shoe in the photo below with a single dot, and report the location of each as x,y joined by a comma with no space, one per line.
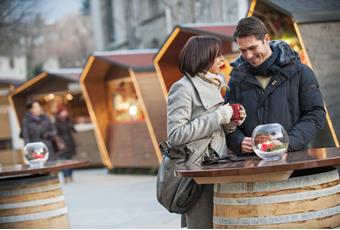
67,180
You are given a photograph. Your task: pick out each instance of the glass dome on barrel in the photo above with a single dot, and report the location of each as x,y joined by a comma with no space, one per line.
36,154
270,141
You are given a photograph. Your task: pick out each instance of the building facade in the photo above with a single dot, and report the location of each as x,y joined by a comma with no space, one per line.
128,24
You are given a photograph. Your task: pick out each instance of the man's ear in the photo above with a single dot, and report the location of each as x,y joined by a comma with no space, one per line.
267,38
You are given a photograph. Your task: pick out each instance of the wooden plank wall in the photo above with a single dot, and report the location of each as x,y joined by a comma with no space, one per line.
130,145
5,133
169,62
97,92
154,102
322,42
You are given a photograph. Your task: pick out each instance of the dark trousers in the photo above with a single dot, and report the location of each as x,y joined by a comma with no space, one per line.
200,215
67,173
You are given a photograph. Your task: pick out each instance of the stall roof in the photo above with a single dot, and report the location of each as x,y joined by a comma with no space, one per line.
140,59
71,74
67,74
214,28
308,11
166,60
8,81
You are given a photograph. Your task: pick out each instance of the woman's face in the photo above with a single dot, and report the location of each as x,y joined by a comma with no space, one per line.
36,109
218,62
63,114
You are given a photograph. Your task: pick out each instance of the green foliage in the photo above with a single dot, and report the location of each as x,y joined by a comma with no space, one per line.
38,69
86,7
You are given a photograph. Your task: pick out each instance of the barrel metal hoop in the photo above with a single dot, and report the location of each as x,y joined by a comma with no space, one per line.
31,203
24,181
298,217
19,192
34,216
278,198
291,183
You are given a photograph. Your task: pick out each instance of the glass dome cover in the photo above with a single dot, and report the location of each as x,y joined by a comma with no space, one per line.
270,141
36,154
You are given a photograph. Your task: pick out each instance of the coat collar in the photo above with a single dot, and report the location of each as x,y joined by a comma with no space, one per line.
241,74
208,93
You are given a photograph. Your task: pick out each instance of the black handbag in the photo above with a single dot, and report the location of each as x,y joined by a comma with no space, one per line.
176,194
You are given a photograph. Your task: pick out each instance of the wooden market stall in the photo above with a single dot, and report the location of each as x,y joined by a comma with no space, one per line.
6,87
312,28
8,139
166,60
125,102
58,89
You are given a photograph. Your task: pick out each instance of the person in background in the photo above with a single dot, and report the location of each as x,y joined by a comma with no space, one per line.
64,129
272,84
38,127
197,116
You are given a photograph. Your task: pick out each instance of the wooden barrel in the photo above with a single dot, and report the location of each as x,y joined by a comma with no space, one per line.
32,202
311,201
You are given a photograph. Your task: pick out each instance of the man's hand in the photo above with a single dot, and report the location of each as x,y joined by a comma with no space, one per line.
246,146
243,116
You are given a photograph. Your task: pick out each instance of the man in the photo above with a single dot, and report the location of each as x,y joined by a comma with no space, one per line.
272,84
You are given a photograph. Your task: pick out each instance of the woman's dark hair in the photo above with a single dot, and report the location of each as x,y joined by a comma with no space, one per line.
250,26
30,102
198,54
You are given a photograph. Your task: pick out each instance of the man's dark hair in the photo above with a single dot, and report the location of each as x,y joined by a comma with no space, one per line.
198,54
30,102
250,26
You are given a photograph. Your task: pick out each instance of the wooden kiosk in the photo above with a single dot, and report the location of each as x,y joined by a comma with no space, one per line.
312,28
166,60
57,89
125,102
6,87
8,141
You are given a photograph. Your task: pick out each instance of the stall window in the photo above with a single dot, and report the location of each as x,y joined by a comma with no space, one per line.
124,104
280,26
73,102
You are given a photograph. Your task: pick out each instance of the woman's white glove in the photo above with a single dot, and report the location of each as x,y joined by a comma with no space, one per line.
231,126
225,112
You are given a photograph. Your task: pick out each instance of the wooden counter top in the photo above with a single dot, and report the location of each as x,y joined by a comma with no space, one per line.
253,169
53,166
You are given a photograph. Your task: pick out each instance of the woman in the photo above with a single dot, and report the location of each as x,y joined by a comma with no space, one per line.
197,117
38,127
65,129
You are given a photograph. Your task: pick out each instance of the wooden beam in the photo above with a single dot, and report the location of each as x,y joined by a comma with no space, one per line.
146,114
158,57
99,135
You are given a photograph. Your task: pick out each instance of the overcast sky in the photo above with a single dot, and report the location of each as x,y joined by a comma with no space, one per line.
53,10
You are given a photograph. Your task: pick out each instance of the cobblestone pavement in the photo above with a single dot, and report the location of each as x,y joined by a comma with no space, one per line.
97,199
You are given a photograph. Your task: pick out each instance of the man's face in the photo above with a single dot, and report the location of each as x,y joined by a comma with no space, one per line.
254,51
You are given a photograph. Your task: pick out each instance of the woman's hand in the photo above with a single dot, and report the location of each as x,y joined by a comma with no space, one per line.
243,116
225,112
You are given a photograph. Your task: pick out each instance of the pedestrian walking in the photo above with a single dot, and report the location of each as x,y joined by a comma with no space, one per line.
65,129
